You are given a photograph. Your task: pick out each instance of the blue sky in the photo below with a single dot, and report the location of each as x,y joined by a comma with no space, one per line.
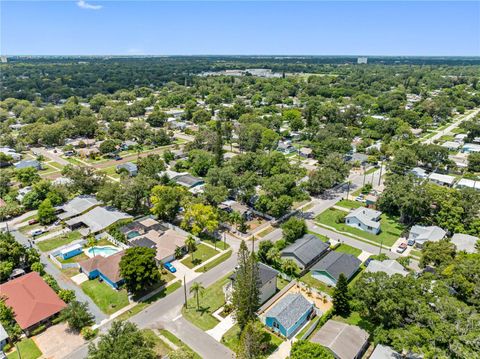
89,27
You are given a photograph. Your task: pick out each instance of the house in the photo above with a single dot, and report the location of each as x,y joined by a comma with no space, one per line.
32,300
357,157
77,206
389,266
471,148
164,238
305,250
416,131
234,206
183,178
96,220
106,268
385,352
128,144
460,137
3,337
442,180
285,147
465,242
451,145
305,152
130,167
422,234
329,268
371,200
71,251
11,152
365,219
467,183
345,341
22,192
267,283
28,163
289,314
419,172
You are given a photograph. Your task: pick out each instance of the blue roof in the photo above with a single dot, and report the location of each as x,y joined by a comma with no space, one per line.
290,309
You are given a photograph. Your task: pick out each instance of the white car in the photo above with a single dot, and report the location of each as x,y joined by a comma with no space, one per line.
37,232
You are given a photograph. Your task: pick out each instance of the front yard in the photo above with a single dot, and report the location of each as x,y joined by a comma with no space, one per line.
200,255
211,300
391,230
28,350
231,339
345,248
105,297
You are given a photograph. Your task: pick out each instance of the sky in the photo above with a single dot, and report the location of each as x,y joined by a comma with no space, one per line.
90,27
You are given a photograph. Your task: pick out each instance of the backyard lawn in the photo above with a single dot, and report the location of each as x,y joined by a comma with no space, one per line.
28,350
105,297
231,339
390,228
354,319
345,248
349,204
50,244
212,299
202,254
315,283
78,258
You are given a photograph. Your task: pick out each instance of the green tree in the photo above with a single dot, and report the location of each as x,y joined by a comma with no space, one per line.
166,201
303,349
191,245
246,292
7,319
67,295
122,341
341,297
151,165
77,316
198,291
26,176
139,269
199,217
293,229
250,344
218,144
157,118
108,146
46,212
437,253
474,162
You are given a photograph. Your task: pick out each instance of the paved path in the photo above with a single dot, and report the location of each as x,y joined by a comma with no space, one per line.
283,350
63,281
221,328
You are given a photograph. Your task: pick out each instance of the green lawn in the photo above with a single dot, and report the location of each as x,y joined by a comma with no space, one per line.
355,319
345,248
161,348
281,283
28,350
315,283
390,228
215,262
202,254
105,297
346,203
178,342
305,328
142,305
78,258
319,236
371,170
220,244
271,341
266,231
50,244
212,299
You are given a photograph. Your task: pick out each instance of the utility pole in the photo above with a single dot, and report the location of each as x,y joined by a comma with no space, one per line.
185,291
380,176
224,240
381,245
348,189
253,244
364,176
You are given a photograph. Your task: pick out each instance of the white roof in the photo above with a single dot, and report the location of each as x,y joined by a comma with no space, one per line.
441,178
388,266
366,215
464,242
451,144
423,234
71,248
77,206
466,182
99,218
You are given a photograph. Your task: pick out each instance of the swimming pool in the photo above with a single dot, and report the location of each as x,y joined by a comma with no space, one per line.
103,251
133,234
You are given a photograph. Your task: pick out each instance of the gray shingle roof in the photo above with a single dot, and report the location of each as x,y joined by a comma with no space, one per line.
464,242
27,163
366,216
289,309
306,248
265,274
188,180
388,266
335,263
77,206
99,218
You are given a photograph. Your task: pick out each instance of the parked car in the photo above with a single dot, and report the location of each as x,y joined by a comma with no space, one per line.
37,232
169,266
411,242
118,158
32,221
402,248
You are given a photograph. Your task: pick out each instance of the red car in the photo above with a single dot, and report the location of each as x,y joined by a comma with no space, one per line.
32,221
402,248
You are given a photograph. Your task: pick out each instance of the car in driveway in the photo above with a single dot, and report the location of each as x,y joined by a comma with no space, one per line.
32,222
169,266
402,248
411,242
37,232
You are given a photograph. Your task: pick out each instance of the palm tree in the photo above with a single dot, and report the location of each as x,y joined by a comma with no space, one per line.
178,252
191,244
91,243
198,289
289,267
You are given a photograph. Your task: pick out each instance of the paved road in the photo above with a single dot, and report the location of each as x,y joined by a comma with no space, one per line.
63,281
451,127
51,155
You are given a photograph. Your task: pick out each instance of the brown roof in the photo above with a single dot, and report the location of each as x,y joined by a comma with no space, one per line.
31,299
166,242
108,266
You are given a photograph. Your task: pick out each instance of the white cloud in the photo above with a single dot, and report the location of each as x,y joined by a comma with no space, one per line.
84,5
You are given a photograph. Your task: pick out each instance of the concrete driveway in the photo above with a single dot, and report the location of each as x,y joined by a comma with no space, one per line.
58,341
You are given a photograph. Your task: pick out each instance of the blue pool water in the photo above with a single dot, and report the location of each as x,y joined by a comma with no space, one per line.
103,251
133,234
